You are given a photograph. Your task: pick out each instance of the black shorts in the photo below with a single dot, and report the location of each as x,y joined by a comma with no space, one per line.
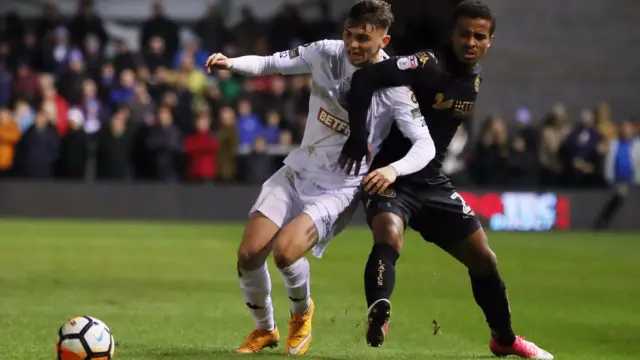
438,213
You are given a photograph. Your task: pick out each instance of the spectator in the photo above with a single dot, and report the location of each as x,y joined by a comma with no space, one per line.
184,104
249,124
72,161
93,56
554,131
191,50
213,100
622,164
6,81
24,114
524,129
142,108
604,121
9,137
196,79
56,108
158,84
28,52
259,165
160,26
56,55
228,137
164,144
125,91
124,58
155,54
229,87
26,84
201,149
271,132
492,152
580,154
211,31
288,30
70,84
522,164
37,150
621,169
277,97
87,23
106,82
325,27
114,146
49,21
246,30
95,113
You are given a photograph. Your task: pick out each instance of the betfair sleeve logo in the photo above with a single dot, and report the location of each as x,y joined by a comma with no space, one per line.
332,122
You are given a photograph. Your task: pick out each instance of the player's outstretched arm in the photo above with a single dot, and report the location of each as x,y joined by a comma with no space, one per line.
291,62
363,84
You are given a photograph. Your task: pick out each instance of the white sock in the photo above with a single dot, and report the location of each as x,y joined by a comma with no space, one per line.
296,279
256,291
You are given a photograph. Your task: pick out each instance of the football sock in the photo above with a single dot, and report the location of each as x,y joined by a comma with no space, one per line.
256,291
296,279
490,293
380,273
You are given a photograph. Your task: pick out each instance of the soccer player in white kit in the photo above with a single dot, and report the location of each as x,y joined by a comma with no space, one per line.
310,199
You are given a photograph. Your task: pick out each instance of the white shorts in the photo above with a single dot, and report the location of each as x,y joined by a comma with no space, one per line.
286,194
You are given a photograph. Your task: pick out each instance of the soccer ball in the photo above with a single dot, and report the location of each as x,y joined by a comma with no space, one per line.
84,338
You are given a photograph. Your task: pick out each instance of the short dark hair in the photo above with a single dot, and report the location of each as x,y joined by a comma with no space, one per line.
371,12
475,9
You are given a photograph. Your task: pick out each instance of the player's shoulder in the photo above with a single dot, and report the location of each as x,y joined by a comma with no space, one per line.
325,47
422,60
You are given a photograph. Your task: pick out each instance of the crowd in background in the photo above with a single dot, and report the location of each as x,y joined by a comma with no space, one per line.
76,104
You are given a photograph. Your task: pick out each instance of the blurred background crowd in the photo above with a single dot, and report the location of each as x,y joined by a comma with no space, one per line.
78,104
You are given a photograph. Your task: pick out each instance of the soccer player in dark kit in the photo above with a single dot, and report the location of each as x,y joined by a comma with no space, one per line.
445,84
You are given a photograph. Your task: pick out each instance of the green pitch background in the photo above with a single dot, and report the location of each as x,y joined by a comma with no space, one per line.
169,291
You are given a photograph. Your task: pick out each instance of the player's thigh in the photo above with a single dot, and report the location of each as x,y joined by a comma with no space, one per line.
388,215
445,219
275,206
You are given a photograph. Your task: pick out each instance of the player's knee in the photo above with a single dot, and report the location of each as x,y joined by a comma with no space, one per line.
283,256
250,257
486,263
387,230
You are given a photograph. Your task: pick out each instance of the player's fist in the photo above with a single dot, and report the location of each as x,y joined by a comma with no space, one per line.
218,61
379,180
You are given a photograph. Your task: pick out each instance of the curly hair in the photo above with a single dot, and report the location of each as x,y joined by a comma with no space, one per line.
475,9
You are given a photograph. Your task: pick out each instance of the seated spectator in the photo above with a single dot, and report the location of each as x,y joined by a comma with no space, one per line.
201,149
9,137
581,156
95,114
191,50
229,86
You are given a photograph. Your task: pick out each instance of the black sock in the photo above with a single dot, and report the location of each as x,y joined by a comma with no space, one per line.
380,273
491,295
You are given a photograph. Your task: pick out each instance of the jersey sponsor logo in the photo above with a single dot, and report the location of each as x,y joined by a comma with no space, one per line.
407,62
294,53
333,122
423,57
461,108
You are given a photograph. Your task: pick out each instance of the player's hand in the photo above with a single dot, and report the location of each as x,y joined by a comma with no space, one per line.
352,154
379,180
218,61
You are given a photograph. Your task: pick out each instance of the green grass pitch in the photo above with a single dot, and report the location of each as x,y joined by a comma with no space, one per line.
169,291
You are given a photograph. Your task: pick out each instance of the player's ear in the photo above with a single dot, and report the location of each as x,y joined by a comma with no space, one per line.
490,42
385,41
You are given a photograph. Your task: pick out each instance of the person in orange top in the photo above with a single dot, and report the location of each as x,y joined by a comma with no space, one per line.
9,136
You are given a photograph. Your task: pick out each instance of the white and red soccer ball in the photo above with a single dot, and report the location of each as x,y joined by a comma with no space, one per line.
85,338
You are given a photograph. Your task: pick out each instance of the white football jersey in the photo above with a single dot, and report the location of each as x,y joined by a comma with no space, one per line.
327,127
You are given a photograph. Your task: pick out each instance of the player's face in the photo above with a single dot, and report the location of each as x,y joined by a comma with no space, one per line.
471,38
363,43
